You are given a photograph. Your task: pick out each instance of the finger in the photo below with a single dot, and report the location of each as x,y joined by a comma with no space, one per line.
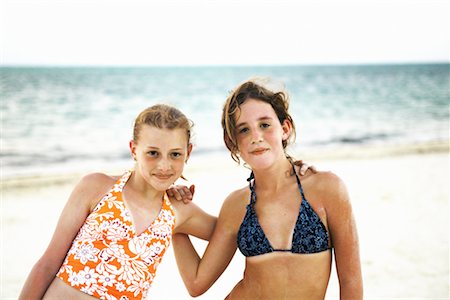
187,196
180,195
298,162
186,192
304,169
174,193
192,189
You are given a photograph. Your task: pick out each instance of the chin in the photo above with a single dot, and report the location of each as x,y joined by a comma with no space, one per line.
260,164
161,186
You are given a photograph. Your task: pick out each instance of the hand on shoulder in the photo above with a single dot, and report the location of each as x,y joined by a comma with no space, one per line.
303,168
178,192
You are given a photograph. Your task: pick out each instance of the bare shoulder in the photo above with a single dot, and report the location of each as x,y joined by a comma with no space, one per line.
92,187
234,207
94,179
324,178
233,210
96,182
328,186
236,199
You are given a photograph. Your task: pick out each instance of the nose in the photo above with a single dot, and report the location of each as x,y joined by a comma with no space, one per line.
164,165
256,137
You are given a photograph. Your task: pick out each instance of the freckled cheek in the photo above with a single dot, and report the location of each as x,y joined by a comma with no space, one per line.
148,162
242,141
273,137
146,167
240,146
274,140
178,165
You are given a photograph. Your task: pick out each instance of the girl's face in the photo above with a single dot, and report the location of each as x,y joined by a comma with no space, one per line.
260,134
160,155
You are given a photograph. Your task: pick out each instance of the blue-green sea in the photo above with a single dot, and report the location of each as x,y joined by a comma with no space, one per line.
64,117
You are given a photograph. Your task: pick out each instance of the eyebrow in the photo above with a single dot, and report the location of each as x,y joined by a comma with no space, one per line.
156,148
259,119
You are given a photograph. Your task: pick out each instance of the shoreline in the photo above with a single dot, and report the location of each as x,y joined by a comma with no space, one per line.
200,163
399,197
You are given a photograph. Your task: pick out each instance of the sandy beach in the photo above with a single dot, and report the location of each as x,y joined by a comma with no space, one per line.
399,195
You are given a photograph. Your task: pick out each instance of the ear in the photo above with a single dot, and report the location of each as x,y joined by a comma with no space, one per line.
189,150
287,129
133,149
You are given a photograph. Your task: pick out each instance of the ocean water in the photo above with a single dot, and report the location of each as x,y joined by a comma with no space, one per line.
64,118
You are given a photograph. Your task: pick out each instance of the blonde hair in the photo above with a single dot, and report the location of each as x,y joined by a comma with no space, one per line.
254,88
164,117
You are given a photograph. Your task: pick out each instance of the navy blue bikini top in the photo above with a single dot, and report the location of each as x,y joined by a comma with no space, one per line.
310,235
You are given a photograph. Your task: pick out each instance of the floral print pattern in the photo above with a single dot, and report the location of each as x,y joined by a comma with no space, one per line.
107,259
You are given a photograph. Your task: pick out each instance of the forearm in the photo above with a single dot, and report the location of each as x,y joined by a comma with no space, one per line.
351,290
37,282
188,262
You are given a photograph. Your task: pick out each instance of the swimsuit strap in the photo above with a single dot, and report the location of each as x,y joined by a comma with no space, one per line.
298,183
252,176
251,184
120,183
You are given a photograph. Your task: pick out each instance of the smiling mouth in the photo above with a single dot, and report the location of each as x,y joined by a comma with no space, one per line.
163,177
258,151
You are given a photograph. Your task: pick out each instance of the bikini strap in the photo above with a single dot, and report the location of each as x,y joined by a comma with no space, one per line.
251,184
298,183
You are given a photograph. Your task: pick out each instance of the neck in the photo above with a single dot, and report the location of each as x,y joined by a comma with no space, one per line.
142,188
275,176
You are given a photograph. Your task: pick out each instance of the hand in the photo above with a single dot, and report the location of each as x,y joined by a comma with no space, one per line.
304,167
181,193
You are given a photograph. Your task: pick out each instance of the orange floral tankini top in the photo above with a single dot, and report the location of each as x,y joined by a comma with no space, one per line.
107,259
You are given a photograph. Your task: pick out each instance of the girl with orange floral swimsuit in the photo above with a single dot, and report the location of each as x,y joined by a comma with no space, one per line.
114,231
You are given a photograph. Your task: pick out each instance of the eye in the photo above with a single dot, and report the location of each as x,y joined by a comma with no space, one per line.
265,125
243,130
153,153
176,154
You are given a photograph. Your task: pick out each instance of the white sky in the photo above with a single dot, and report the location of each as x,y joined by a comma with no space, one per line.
246,32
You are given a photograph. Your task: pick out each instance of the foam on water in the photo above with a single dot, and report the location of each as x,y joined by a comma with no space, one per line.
59,117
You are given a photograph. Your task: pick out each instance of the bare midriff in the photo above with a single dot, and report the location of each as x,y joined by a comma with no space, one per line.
58,289
284,276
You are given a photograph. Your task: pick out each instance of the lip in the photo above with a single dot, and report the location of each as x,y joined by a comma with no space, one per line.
163,176
259,151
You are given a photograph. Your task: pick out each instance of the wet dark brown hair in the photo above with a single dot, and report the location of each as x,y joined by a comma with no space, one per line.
252,89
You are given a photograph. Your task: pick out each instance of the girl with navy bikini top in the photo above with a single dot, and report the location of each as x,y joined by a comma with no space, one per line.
288,229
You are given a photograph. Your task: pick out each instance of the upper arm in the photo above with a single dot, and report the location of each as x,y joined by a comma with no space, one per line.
192,220
343,231
84,196
82,199
200,273
222,245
